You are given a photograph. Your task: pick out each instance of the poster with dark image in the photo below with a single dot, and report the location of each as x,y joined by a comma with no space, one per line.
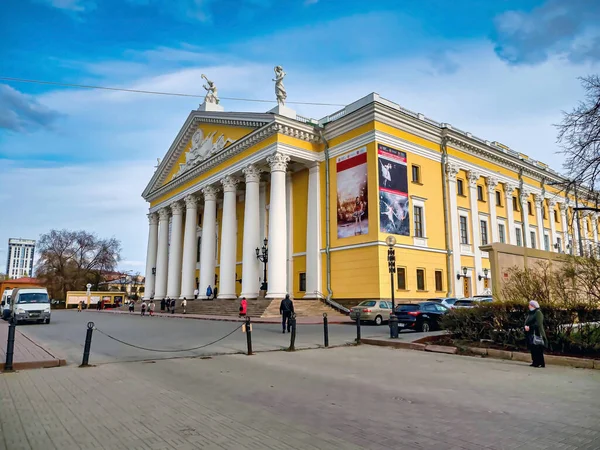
393,191
352,194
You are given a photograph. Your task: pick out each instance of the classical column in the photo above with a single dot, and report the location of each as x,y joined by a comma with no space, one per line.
151,255
539,203
511,235
586,233
160,287
452,172
492,184
228,239
174,277
188,272
524,196
551,209
277,277
289,220
314,287
563,220
476,232
251,239
595,231
208,242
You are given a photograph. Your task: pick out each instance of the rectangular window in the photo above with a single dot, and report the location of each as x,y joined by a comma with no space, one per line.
484,233
416,173
544,215
546,243
515,204
198,249
418,218
559,245
501,233
529,210
439,280
420,279
464,231
302,282
519,237
555,216
401,276
480,193
532,237
460,187
498,198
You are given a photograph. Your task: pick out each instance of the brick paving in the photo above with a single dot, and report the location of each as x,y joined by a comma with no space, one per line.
349,398
28,354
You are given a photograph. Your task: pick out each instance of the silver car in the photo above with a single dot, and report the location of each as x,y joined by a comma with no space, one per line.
376,311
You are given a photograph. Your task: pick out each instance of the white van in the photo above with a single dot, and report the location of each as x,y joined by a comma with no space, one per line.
5,304
30,305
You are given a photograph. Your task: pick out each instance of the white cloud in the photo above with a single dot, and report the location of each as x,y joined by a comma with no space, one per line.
71,5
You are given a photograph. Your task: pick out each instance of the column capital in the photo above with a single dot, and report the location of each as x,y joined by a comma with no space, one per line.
538,199
191,201
473,178
492,183
252,174
452,171
509,189
229,183
176,208
524,194
278,162
163,213
551,203
586,213
210,193
153,218
564,207
314,167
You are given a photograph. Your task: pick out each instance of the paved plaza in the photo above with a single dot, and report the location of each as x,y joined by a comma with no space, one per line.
341,398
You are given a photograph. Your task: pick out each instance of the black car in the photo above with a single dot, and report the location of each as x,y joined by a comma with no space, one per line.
424,316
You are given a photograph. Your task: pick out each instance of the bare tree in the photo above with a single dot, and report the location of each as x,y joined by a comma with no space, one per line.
579,136
71,259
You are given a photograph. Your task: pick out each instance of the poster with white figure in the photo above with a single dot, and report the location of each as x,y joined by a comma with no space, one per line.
393,191
352,194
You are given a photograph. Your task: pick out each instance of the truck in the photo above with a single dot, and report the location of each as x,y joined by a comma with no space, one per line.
30,305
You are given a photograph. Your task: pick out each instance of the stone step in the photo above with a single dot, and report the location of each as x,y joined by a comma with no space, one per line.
304,308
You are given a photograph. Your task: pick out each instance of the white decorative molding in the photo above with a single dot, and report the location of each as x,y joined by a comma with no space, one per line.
153,218
538,199
229,183
466,249
203,147
210,193
473,177
176,208
509,189
163,214
191,201
492,183
384,244
452,171
252,173
420,241
278,162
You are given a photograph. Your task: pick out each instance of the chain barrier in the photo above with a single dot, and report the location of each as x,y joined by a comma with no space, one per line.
165,350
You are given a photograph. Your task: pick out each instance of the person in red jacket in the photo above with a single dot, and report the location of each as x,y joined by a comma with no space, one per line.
243,307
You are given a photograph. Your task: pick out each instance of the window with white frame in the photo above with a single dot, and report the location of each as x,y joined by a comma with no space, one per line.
532,237
418,220
483,231
501,233
518,236
559,244
464,230
546,242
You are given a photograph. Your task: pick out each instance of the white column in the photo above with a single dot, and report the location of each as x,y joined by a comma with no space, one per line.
228,239
595,231
262,207
452,172
539,203
174,277
492,184
551,209
277,275
208,243
586,234
289,213
511,235
188,271
473,178
151,255
160,288
563,219
524,195
251,239
314,288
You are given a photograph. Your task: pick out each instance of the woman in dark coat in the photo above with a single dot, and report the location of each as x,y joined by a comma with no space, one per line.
534,328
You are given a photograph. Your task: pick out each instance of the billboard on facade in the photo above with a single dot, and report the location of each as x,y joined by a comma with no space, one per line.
352,194
393,191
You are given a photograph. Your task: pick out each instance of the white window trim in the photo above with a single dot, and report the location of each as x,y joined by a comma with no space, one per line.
533,241
550,244
420,241
485,218
503,223
466,249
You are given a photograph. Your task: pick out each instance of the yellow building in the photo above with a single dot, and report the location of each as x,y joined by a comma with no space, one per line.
326,193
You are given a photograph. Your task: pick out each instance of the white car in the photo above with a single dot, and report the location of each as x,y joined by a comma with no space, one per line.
30,305
5,304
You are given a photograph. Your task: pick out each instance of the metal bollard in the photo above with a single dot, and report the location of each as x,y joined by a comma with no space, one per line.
325,330
10,345
358,328
249,335
88,344
393,326
293,337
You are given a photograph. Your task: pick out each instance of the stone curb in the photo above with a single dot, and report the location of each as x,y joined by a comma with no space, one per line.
28,365
394,344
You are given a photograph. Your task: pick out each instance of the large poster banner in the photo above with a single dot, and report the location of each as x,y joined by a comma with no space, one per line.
352,193
393,191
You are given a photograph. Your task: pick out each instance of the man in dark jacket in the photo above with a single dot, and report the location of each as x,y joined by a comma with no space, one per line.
286,309
162,305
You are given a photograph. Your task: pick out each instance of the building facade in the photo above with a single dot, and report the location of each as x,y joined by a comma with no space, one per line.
19,261
326,194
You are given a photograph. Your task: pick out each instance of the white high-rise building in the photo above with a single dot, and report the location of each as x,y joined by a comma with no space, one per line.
20,258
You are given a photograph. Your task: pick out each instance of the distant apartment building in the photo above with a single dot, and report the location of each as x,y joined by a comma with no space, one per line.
19,262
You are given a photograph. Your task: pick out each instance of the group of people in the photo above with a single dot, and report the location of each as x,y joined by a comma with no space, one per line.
165,303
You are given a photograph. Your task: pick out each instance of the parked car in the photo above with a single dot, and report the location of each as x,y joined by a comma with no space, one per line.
446,301
376,311
483,298
424,316
464,303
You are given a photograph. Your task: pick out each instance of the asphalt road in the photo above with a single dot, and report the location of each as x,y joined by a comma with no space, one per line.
65,335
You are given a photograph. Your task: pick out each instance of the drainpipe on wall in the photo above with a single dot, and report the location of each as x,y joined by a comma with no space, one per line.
449,271
523,212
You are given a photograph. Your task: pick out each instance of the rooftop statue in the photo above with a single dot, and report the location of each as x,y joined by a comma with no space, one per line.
280,92
212,95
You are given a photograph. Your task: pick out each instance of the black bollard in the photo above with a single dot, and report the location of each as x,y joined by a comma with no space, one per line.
10,345
393,326
88,344
325,330
293,337
358,328
249,335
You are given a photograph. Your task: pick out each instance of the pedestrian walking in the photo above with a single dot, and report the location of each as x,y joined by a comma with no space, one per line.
184,304
173,306
98,305
209,292
286,309
196,292
131,306
143,308
168,303
536,336
151,307
243,307
215,292
79,306
162,305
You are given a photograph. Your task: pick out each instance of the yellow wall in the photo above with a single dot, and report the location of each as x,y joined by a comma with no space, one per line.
355,273
300,207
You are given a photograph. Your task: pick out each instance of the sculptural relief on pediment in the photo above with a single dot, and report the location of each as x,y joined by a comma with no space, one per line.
203,147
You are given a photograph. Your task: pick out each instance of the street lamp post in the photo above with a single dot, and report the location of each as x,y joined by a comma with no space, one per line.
262,254
391,242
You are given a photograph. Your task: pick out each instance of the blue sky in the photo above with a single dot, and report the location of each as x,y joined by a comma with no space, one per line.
72,158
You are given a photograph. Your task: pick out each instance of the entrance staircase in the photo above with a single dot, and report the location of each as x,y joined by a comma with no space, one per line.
304,308
256,308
